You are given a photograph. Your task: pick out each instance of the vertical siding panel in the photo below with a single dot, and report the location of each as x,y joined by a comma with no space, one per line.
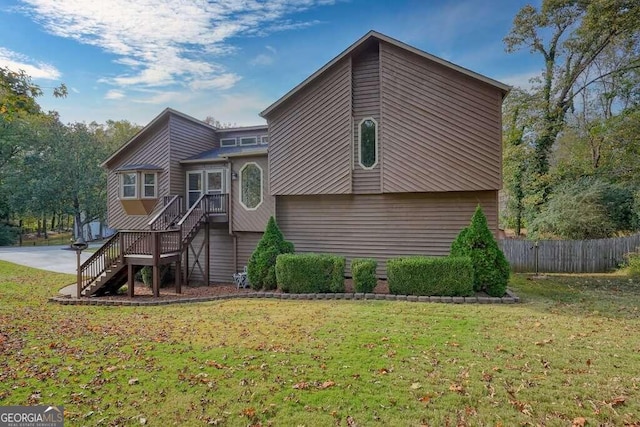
381,226
246,244
310,139
441,129
366,103
187,139
245,220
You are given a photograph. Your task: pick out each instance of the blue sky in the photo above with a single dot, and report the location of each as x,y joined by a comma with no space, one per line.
230,59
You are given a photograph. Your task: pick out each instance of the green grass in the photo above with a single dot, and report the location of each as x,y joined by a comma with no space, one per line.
570,350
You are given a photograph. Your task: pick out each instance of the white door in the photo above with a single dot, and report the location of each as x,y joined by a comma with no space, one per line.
215,185
194,187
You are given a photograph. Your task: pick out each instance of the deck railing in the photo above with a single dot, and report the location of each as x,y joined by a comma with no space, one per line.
160,240
99,261
168,215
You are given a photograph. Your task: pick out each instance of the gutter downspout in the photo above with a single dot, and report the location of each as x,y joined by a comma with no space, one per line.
230,201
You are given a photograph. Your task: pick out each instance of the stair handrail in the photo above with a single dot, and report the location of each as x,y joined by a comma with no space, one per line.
168,214
194,216
100,260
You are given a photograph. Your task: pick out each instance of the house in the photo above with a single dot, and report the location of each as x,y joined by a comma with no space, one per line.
383,152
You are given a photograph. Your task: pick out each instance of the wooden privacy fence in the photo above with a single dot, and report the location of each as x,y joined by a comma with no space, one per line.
568,256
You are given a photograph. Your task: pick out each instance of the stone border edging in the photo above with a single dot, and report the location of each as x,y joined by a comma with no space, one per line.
510,298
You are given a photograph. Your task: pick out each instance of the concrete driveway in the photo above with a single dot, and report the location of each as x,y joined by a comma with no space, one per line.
52,258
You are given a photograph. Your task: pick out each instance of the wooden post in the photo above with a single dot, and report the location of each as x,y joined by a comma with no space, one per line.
78,276
186,265
121,244
130,280
206,251
178,277
155,244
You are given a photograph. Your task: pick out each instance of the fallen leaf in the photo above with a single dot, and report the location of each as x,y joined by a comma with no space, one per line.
617,401
425,399
327,384
301,385
579,422
415,386
133,381
457,388
249,412
351,422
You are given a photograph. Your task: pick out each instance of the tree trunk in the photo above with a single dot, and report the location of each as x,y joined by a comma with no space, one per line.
44,226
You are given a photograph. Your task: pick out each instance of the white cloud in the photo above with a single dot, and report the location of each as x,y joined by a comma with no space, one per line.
262,60
114,94
38,70
222,82
167,42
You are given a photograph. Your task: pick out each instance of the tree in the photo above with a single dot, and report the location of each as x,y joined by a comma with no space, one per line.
490,267
588,208
261,270
210,120
570,35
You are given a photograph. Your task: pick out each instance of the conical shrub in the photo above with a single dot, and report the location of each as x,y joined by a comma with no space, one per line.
490,267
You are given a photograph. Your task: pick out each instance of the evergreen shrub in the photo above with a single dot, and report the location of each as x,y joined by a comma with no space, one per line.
438,276
310,273
490,267
261,269
363,272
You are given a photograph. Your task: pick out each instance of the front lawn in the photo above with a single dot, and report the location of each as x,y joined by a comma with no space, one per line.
568,354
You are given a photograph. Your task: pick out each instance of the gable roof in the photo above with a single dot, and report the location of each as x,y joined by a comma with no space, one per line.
379,36
164,115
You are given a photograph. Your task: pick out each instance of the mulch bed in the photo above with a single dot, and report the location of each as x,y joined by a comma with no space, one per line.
143,292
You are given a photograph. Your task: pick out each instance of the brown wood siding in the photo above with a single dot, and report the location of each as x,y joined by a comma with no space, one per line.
441,129
243,219
154,150
246,244
381,226
366,103
220,256
310,138
187,139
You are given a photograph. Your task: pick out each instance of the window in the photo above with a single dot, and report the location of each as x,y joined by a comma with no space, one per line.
368,143
194,187
228,142
251,140
128,185
251,186
150,190
264,139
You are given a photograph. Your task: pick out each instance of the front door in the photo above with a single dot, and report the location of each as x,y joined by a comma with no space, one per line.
194,187
215,185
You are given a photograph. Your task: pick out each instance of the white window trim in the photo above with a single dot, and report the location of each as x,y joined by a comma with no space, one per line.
223,176
143,185
235,142
262,139
254,138
188,190
135,185
360,143
261,186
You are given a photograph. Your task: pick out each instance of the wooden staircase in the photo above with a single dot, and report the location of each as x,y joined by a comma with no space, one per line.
170,233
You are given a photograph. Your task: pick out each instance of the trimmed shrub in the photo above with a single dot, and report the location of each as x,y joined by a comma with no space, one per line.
438,276
633,262
261,269
310,273
490,267
363,272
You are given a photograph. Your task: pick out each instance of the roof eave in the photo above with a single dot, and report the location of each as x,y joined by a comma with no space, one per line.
164,114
